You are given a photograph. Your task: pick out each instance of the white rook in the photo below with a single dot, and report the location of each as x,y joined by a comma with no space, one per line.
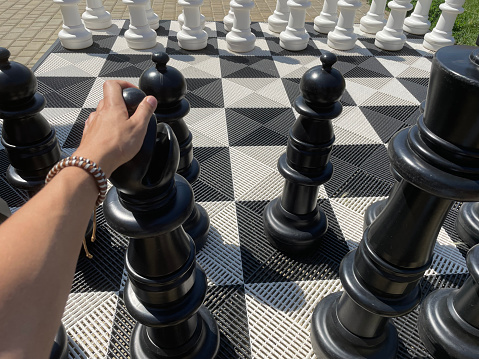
140,35
240,38
392,37
192,36
295,37
418,23
229,19
374,20
95,16
153,19
74,35
343,36
279,19
441,35
328,17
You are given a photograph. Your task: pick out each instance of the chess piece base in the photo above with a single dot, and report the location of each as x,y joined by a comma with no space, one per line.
293,234
467,224
293,40
371,25
443,332
204,344
324,25
198,226
196,41
331,340
414,26
240,41
141,39
75,40
338,41
388,42
228,21
434,42
97,22
278,22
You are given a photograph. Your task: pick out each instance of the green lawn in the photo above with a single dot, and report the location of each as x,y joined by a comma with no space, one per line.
466,28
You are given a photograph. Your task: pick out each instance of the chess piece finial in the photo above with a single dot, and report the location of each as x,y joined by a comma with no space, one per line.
29,140
168,86
294,222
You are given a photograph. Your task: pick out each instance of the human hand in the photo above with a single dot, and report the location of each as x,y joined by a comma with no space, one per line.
111,137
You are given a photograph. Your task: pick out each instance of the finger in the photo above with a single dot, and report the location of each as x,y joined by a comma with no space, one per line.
145,110
89,120
112,93
100,105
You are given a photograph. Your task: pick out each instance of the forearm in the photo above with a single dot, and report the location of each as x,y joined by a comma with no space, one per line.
40,245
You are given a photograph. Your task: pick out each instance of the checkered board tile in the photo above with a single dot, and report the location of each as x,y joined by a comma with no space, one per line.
240,116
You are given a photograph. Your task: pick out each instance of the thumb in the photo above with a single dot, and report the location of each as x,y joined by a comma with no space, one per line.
145,109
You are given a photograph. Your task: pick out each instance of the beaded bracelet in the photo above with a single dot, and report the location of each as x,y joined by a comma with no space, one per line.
89,166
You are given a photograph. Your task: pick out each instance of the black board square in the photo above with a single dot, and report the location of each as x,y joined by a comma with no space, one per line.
76,133
205,93
363,184
383,125
355,154
248,67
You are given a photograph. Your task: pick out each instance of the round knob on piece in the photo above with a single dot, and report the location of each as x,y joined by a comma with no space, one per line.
132,97
164,82
17,82
322,85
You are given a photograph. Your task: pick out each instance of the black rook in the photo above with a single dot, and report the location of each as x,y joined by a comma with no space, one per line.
438,161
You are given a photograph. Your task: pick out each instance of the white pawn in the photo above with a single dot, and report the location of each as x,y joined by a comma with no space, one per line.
441,35
278,21
327,19
153,19
295,37
343,36
181,20
74,35
374,20
95,16
192,36
140,35
229,19
392,38
240,38
418,23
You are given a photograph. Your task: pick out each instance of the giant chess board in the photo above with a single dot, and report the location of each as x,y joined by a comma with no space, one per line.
240,116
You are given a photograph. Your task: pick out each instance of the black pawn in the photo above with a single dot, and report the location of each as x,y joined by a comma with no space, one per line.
166,288
294,222
448,322
467,223
437,162
168,86
29,140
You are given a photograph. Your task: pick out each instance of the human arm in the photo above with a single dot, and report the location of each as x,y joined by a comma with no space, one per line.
41,241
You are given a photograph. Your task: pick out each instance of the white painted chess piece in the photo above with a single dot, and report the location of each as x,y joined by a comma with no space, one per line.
295,37
181,20
95,16
328,17
418,23
192,36
153,19
441,35
392,37
229,19
278,21
140,35
374,21
74,35
240,38
343,36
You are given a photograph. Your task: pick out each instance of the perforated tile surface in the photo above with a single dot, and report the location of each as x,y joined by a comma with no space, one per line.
240,116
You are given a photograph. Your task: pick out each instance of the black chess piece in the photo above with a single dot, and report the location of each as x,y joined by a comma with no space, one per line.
29,140
448,322
168,86
60,347
438,162
294,222
467,223
166,288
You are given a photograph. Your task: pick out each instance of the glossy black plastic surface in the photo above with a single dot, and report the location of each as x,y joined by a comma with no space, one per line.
60,344
467,223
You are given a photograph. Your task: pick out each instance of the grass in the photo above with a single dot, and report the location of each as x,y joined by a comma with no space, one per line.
466,27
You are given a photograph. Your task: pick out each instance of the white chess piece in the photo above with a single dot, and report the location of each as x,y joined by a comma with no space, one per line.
418,23
192,36
240,38
295,37
74,35
153,19
441,35
95,16
374,20
140,35
229,19
391,37
278,21
343,36
181,19
328,17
